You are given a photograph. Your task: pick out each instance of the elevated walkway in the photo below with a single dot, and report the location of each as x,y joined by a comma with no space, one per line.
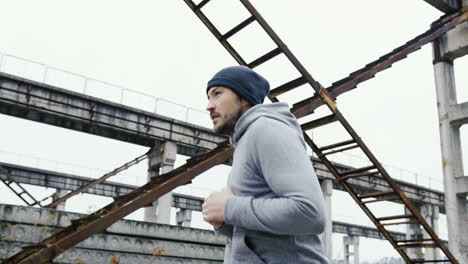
63,108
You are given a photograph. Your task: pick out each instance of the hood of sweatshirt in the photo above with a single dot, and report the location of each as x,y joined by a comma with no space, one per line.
277,111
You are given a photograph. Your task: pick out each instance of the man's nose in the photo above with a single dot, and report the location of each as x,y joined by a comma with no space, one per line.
210,106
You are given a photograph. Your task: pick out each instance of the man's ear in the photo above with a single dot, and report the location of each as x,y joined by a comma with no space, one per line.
245,104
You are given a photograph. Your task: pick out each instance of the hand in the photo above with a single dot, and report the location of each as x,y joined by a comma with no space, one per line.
213,207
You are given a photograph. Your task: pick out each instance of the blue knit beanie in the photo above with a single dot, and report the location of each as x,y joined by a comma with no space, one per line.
244,81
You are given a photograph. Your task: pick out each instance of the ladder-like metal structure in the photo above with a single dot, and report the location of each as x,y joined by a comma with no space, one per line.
24,195
97,181
17,188
353,141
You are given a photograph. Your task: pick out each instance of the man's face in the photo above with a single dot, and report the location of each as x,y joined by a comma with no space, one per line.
225,109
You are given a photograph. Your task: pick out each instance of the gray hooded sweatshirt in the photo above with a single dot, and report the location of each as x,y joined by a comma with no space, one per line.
277,211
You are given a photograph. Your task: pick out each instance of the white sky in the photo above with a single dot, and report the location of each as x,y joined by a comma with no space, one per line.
162,49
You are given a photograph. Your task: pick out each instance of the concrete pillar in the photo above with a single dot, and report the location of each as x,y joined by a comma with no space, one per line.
327,190
414,231
452,166
430,213
57,195
161,161
452,115
184,217
351,241
153,171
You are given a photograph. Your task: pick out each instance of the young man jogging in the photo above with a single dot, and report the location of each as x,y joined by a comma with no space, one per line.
272,208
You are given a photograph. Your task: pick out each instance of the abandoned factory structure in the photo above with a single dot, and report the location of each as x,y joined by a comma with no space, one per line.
66,237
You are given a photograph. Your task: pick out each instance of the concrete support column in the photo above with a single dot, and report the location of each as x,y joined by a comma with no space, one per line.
161,161
57,195
184,217
431,214
452,166
414,231
452,114
351,241
327,190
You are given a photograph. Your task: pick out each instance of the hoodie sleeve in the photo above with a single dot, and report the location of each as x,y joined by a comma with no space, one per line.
225,229
280,157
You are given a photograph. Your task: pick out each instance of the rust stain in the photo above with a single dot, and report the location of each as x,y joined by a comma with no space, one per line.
444,117
327,97
445,163
158,252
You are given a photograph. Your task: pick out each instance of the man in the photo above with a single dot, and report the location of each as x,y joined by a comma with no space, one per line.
272,208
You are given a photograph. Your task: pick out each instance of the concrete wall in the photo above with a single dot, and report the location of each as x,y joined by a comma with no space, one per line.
132,241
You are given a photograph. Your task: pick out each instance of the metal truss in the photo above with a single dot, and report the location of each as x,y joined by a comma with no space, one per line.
98,181
18,189
327,97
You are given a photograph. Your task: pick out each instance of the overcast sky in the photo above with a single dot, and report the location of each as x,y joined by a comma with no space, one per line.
161,48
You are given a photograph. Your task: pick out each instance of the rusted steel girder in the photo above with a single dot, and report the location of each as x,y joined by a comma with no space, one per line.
362,199
97,222
439,27
98,181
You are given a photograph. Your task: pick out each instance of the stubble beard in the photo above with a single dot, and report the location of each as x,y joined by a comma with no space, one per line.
227,128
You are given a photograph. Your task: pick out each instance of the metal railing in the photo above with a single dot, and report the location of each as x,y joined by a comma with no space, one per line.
43,73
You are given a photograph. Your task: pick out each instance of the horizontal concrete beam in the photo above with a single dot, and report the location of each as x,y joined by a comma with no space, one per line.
27,233
458,114
44,178
462,186
92,255
446,6
363,231
59,219
59,107
454,43
63,181
117,243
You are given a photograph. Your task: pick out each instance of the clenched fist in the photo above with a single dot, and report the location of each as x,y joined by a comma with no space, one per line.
213,207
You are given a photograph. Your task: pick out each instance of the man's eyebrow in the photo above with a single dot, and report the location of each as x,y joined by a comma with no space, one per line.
212,91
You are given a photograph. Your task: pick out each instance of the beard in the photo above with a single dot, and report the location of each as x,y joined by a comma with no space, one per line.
227,128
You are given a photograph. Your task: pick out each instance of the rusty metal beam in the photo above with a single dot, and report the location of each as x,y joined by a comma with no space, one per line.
446,6
439,27
325,96
97,222
84,188
197,10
